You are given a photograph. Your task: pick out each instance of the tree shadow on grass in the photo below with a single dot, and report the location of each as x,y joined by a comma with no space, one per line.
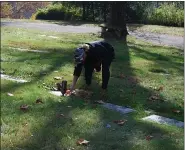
167,61
60,133
133,27
56,131
72,23
59,58
128,84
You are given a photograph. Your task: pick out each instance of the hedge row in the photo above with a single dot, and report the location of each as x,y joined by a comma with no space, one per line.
58,12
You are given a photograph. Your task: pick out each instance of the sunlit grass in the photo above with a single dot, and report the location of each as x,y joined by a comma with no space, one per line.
176,31
41,128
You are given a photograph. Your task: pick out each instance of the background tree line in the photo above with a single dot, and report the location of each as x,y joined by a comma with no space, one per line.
162,13
20,10
136,12
114,13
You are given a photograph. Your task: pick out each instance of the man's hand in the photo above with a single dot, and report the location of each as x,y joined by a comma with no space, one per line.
69,92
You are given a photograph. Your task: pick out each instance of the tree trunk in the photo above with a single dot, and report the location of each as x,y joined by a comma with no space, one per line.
118,18
87,10
93,17
105,12
84,15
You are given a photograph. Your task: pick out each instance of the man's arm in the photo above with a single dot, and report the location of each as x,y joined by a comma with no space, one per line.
76,74
75,78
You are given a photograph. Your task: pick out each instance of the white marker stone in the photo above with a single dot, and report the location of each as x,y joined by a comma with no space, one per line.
54,37
164,120
6,77
28,50
10,94
56,93
121,109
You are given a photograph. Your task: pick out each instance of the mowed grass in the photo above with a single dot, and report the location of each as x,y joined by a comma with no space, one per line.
42,128
176,31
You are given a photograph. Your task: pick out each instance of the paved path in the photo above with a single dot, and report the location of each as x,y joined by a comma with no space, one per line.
52,27
160,39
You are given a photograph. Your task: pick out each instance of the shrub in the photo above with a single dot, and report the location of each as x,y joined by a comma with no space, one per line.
41,14
167,14
58,12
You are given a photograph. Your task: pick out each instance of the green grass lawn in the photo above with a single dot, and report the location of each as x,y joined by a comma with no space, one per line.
176,31
42,128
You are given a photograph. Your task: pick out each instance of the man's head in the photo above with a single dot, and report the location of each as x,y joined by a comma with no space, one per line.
80,53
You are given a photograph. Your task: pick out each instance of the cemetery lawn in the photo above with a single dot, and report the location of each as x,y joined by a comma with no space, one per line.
140,72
